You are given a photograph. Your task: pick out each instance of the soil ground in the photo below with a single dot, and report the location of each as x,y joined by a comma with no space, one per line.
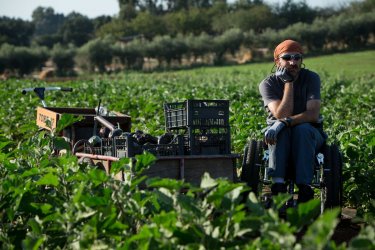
346,229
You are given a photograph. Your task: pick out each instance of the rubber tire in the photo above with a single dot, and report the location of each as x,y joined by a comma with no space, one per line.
333,177
251,165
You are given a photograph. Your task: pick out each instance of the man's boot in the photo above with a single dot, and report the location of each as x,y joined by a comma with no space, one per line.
305,193
276,189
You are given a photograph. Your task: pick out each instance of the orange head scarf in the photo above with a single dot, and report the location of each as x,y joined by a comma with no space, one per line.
287,46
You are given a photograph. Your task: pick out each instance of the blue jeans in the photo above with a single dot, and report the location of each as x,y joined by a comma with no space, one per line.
297,146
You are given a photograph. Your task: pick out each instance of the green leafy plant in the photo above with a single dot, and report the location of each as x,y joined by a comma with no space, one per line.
58,202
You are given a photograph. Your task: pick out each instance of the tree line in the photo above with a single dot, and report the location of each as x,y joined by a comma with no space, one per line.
177,33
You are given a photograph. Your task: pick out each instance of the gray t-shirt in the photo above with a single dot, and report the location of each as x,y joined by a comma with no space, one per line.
307,87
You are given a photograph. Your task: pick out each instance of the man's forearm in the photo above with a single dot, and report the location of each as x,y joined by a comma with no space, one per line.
310,115
307,116
285,108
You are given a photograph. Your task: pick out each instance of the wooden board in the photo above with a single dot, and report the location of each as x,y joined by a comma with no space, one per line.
189,168
52,115
192,168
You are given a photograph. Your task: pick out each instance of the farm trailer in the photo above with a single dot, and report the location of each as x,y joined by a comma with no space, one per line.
189,168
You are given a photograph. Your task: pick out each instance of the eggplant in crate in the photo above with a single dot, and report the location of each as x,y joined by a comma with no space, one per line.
175,147
128,146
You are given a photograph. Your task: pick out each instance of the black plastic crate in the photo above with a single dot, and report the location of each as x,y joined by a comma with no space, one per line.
104,148
197,113
117,146
107,147
127,146
207,141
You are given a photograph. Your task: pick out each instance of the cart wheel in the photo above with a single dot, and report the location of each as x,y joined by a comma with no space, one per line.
333,177
251,165
80,146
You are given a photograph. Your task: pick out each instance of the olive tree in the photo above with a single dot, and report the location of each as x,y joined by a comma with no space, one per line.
166,48
229,41
199,45
130,54
95,55
22,60
63,58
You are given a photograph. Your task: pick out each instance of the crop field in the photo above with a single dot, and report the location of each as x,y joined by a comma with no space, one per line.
54,202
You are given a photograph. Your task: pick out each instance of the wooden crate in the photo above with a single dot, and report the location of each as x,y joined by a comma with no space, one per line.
80,130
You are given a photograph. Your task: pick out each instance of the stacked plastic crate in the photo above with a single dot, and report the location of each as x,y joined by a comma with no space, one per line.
203,123
127,146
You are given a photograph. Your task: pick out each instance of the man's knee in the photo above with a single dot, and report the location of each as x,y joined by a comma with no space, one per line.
305,134
302,130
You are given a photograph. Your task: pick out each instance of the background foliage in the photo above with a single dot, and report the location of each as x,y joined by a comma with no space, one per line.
164,30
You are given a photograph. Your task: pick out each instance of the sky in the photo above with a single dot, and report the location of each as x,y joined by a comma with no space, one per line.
94,8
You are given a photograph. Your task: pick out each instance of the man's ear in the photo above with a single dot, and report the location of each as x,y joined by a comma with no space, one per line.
277,62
